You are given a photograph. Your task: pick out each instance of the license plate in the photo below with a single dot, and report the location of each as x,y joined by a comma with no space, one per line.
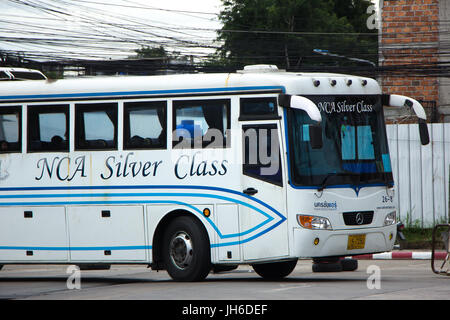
356,241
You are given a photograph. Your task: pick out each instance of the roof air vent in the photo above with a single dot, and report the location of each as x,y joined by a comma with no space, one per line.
258,68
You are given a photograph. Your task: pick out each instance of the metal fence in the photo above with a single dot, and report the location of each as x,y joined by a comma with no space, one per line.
421,173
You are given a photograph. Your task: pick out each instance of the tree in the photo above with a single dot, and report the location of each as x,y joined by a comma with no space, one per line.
285,32
150,52
355,11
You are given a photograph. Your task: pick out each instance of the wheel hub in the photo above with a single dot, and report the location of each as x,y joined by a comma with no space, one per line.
181,250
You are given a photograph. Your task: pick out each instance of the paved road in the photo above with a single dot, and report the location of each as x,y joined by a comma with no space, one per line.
406,279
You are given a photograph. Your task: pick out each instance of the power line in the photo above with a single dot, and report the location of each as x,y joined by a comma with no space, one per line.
146,7
98,30
103,27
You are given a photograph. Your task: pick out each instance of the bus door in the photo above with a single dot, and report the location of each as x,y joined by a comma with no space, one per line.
262,220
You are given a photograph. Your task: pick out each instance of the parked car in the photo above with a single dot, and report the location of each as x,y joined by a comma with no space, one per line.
8,73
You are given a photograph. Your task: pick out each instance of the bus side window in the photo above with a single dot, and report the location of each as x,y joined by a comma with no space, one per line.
48,128
10,129
96,126
262,153
145,125
258,109
201,124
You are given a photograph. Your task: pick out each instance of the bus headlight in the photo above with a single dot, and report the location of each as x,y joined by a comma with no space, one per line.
390,218
314,222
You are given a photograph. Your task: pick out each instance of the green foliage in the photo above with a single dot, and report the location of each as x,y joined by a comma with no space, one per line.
53,75
418,234
285,32
355,12
151,52
410,223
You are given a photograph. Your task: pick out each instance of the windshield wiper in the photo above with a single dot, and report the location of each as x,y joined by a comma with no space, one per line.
323,185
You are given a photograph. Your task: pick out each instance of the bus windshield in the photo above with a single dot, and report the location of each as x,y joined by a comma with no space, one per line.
355,148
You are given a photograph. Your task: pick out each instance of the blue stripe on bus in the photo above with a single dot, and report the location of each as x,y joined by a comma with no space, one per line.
74,248
269,218
147,187
81,195
213,225
144,247
133,93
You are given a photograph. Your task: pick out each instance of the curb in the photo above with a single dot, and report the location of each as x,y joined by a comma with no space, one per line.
411,255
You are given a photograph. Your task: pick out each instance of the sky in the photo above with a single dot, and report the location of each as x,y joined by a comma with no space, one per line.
107,29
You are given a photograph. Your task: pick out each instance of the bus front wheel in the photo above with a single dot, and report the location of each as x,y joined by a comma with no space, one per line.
275,270
186,250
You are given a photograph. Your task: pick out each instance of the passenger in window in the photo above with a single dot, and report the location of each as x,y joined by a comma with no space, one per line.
57,143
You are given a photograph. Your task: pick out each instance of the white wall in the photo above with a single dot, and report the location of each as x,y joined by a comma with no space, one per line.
421,173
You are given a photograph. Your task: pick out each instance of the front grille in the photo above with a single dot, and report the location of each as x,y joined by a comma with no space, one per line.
358,218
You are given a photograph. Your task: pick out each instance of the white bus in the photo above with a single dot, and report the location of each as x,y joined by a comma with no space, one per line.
125,170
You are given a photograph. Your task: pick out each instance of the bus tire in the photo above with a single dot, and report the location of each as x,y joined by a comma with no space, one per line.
275,270
349,264
327,266
186,250
217,268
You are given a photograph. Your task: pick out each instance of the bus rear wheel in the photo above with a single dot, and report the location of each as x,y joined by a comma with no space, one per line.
186,250
349,264
326,265
275,270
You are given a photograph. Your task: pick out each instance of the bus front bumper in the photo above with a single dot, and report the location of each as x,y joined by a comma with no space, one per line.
323,243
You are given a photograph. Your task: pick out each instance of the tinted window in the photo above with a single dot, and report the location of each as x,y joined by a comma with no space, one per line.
96,126
27,75
10,129
48,128
198,124
145,125
258,108
355,148
262,153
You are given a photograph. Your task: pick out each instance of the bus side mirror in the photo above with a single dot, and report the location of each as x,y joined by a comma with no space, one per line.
315,136
300,103
423,131
395,100
423,128
313,112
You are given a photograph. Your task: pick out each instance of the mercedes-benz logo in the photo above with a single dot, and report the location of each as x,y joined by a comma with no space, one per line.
359,218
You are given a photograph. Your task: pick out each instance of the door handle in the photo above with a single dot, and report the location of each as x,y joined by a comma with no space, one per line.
250,191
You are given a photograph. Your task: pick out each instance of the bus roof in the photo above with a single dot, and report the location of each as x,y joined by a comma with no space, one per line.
250,80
